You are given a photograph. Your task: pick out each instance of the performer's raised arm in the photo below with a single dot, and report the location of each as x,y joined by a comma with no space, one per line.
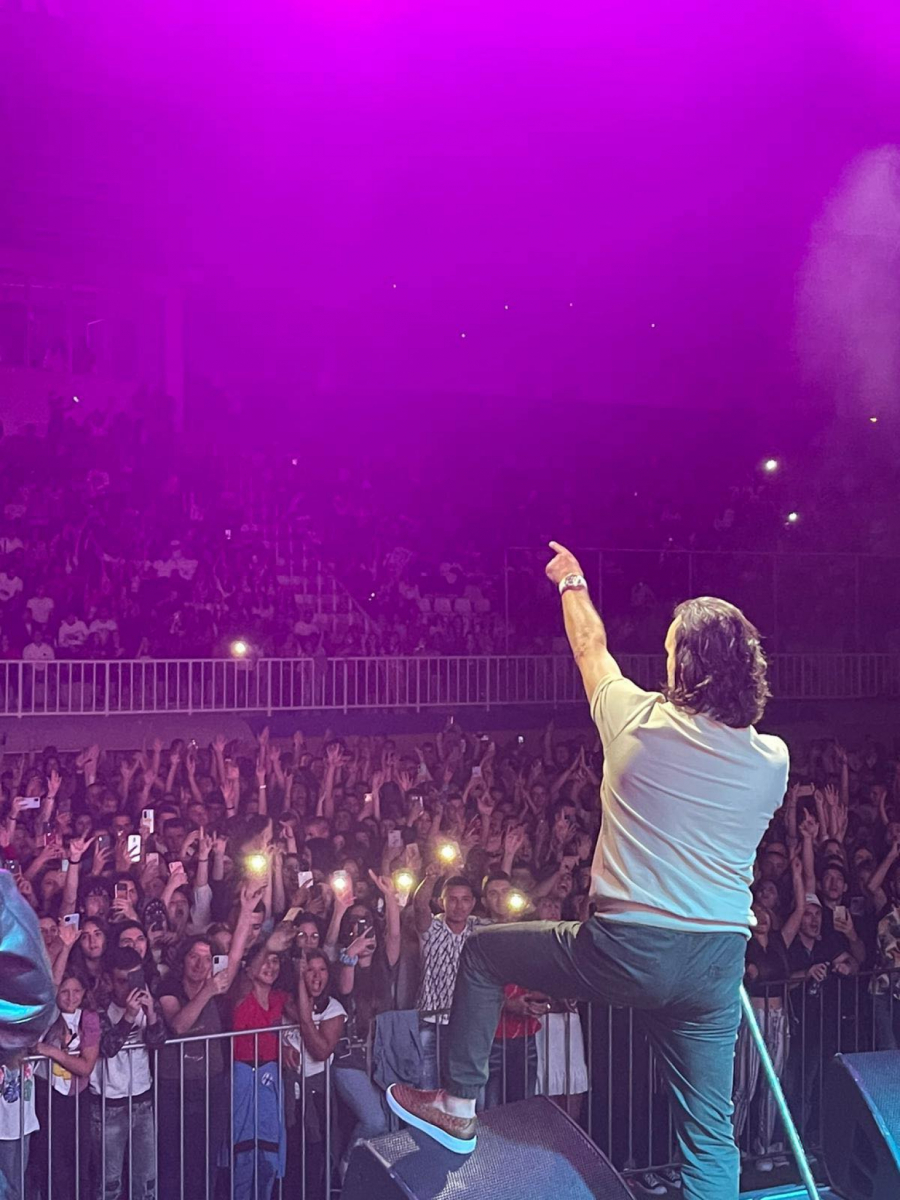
584,625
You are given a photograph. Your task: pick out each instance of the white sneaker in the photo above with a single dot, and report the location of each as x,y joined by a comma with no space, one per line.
765,1164
671,1177
781,1160
649,1184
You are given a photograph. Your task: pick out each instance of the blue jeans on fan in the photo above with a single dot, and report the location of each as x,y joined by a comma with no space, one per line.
684,988
364,1100
124,1146
512,1071
13,1164
433,1062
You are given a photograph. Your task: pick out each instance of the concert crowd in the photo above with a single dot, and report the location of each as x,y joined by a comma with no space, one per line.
190,892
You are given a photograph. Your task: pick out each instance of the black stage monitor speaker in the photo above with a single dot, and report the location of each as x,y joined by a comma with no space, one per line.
861,1125
530,1149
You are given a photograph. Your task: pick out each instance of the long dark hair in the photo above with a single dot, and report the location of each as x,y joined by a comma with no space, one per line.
77,958
114,936
322,1002
720,668
184,949
76,973
349,919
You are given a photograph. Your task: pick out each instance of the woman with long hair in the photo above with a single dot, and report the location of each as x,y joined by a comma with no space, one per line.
88,955
767,896
308,1055
192,1080
133,935
368,959
71,1047
258,1136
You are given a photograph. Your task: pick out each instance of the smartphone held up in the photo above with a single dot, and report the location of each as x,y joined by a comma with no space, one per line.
341,883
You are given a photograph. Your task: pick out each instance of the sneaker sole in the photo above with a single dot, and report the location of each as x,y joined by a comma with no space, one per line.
447,1140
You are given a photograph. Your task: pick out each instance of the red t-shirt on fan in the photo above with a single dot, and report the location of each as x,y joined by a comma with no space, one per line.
250,1014
510,1026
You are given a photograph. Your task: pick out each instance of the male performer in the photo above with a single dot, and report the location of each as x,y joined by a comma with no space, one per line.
688,790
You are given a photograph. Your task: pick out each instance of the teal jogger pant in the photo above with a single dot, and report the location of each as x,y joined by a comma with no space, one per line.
683,986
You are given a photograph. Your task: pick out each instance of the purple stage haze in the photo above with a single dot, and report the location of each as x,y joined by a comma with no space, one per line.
612,203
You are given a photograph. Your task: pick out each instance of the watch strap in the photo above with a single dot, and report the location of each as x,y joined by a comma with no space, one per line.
572,581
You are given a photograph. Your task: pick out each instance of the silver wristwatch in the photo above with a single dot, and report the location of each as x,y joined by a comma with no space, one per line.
572,581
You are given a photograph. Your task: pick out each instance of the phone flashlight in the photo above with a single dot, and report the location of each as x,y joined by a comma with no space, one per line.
447,852
516,902
403,881
256,864
340,881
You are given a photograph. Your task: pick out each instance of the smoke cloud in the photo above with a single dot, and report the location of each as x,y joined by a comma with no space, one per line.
848,318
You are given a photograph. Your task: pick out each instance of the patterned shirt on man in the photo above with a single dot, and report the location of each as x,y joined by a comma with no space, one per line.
441,949
888,954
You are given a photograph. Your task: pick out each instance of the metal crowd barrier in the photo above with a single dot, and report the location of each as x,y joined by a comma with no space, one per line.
594,1060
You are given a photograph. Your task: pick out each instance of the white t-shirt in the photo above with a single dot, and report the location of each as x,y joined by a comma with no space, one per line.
41,608
313,1066
38,653
176,565
686,801
16,1088
129,1070
61,1078
72,635
10,585
102,628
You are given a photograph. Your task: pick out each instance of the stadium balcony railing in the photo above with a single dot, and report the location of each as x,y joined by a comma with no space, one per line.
142,686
